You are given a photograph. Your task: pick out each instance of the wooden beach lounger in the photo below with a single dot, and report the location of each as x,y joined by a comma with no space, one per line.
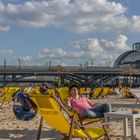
136,94
49,107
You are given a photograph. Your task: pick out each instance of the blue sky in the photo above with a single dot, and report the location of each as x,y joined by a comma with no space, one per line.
67,32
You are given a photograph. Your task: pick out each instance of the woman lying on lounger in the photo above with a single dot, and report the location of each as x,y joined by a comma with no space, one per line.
84,106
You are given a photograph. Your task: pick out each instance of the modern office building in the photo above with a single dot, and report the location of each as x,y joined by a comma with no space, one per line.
130,58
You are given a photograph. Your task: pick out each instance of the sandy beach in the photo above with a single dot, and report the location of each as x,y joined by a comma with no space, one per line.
13,129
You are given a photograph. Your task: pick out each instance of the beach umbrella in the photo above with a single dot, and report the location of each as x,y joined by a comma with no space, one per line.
130,72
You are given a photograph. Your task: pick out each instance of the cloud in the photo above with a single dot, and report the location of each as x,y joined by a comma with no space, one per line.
25,58
92,49
6,52
135,24
3,21
53,53
80,16
89,48
101,50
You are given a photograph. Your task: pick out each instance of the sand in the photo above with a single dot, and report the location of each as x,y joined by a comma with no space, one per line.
13,129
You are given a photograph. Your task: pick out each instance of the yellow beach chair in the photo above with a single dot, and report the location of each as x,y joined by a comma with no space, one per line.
7,96
96,92
36,90
126,92
50,111
63,94
111,91
104,92
85,90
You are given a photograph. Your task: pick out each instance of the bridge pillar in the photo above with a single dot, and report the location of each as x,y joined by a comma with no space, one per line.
13,77
4,79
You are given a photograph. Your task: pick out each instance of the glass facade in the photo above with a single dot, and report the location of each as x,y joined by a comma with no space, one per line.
136,46
129,58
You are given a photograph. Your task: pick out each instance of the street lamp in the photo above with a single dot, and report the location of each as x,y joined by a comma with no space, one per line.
19,63
4,63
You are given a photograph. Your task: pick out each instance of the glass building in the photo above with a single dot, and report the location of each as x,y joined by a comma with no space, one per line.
130,58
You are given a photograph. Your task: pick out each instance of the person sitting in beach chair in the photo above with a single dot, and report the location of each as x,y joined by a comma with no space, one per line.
63,95
24,108
44,89
84,106
65,123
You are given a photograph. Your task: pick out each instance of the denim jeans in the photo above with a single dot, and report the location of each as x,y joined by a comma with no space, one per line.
97,111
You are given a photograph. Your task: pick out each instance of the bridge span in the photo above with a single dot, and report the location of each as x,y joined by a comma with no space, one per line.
73,73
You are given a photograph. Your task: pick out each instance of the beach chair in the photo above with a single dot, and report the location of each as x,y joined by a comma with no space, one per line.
7,97
51,90
104,92
136,94
96,92
63,94
111,91
69,127
85,91
36,90
126,92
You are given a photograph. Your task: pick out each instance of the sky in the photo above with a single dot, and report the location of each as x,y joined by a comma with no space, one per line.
67,32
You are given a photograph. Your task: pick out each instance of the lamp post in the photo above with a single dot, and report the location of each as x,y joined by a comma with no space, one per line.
19,63
4,63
